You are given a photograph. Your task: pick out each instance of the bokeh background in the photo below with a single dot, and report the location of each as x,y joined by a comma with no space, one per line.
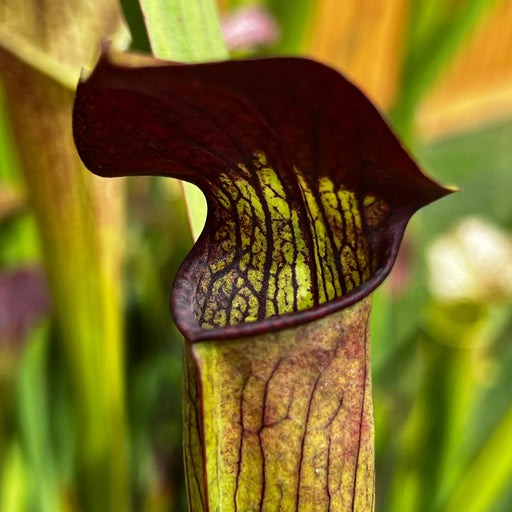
90,361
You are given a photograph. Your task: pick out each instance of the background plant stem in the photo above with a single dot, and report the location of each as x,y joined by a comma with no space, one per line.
79,220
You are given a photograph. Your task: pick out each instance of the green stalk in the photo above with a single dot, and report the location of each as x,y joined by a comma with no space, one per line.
79,223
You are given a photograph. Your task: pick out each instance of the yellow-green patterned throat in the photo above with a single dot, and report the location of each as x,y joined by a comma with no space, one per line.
273,254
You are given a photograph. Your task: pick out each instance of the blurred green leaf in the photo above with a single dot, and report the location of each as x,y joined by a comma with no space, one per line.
184,31
34,421
14,488
436,30
294,18
19,244
487,475
479,163
9,166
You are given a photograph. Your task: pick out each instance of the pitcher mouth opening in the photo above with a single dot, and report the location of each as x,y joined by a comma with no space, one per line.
184,289
308,190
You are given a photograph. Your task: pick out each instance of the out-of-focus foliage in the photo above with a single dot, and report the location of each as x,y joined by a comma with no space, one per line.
442,361
79,222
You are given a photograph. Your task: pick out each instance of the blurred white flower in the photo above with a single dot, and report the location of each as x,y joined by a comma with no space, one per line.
250,27
473,262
